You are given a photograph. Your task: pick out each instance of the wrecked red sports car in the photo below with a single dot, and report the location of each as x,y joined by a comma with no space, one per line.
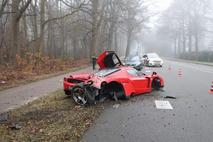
112,80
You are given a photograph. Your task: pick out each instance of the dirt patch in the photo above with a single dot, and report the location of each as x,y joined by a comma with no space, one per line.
51,118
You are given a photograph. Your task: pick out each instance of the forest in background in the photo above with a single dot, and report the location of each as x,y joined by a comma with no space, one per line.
44,36
67,29
186,30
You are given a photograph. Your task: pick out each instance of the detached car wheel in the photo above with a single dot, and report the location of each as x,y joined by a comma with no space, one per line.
82,96
79,95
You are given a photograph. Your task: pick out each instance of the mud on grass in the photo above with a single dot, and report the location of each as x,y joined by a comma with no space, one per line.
51,118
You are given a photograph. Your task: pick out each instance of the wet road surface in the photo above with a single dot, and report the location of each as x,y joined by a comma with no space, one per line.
138,120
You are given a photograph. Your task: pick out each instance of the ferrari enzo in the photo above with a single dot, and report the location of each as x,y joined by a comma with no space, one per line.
113,80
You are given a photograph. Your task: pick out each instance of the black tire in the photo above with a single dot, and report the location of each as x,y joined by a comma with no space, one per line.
67,92
156,84
81,96
117,90
125,97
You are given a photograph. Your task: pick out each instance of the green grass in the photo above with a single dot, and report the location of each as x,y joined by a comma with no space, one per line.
51,118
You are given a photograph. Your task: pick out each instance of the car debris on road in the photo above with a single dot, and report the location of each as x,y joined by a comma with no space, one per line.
170,97
4,117
15,126
116,106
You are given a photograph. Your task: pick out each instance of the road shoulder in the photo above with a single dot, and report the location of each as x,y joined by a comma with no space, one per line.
191,61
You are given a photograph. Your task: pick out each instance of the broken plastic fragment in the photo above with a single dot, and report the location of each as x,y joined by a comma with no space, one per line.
116,106
15,126
170,97
4,117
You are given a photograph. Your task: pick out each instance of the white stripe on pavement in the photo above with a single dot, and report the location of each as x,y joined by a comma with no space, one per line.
163,104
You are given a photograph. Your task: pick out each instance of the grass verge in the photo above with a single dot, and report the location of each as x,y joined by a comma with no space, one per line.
51,118
18,82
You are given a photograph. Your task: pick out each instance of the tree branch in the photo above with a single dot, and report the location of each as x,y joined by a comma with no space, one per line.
23,9
4,3
62,17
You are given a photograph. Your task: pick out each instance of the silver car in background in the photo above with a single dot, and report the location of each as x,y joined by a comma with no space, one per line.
152,60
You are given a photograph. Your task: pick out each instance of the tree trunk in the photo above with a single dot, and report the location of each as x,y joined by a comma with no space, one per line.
179,45
93,51
184,40
14,29
190,41
129,32
75,48
129,39
35,25
116,40
196,45
175,46
42,20
110,36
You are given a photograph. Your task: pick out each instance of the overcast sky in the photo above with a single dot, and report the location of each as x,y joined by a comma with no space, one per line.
163,4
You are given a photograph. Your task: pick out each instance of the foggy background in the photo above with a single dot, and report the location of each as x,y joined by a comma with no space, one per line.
80,29
183,29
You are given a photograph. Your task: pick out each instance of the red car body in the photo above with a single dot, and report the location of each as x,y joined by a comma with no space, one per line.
114,78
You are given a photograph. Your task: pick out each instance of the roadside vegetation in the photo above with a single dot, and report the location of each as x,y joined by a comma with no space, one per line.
52,118
39,37
30,69
202,56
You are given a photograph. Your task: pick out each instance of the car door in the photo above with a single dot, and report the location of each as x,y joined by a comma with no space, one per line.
139,82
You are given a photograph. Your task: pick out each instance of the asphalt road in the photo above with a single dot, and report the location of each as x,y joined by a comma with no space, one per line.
138,120
17,96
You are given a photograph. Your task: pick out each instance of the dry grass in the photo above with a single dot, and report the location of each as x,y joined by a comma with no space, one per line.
51,118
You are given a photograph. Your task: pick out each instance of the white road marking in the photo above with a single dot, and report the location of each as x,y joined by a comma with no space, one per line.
163,104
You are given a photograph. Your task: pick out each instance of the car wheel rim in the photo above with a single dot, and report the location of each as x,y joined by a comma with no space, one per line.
79,96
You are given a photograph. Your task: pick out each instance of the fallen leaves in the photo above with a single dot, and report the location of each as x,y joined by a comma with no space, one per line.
51,118
29,68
